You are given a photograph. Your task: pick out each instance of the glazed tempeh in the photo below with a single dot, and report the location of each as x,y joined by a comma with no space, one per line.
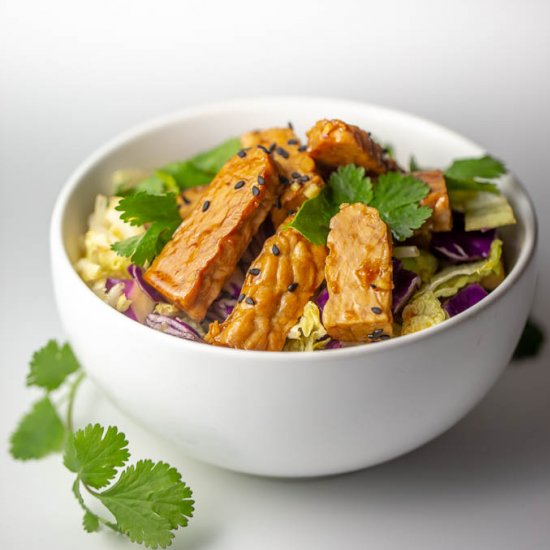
296,168
277,287
188,199
359,276
194,265
334,143
438,200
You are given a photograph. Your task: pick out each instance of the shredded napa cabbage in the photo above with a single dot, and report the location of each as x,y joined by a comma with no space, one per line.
423,311
104,229
487,211
451,279
424,265
308,334
116,298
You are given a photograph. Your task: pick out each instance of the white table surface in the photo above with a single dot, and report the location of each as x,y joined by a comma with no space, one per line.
75,73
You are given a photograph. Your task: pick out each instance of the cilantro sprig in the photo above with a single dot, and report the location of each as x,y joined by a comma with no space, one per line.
396,196
474,174
160,215
148,501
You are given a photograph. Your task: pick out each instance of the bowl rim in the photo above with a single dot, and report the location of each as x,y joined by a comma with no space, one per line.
524,259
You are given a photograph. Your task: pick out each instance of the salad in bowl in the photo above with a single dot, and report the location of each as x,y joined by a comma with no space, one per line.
267,242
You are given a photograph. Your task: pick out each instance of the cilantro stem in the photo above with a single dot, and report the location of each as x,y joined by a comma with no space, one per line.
76,490
72,394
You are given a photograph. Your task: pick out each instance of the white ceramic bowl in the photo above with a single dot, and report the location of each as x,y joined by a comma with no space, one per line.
289,414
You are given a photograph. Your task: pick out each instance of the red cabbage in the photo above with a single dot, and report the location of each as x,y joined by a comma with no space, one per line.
334,344
463,246
137,273
405,284
141,303
173,325
322,299
464,299
227,299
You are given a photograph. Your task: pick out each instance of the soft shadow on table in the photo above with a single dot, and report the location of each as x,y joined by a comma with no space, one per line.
503,445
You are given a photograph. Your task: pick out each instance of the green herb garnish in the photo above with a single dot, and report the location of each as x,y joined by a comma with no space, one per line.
474,174
179,176
159,212
149,501
396,196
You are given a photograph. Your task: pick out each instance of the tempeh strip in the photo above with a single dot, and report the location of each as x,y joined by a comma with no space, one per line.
277,287
438,200
334,143
204,251
359,276
188,199
297,169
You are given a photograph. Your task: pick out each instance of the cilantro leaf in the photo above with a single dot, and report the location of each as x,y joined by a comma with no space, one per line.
531,341
201,169
141,208
474,174
148,501
178,176
39,433
348,184
90,522
160,211
397,197
94,454
51,365
143,248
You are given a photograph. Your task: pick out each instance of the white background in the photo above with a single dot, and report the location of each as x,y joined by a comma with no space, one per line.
73,74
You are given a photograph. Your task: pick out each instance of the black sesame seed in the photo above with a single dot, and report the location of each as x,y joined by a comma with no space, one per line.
250,301
261,180
239,184
302,148
371,336
242,153
290,212
275,250
385,337
185,199
290,125
282,152
278,202
241,298
292,287
376,310
264,149
292,142
303,179
255,191
377,331
272,147
372,286
205,205
254,271
296,175
283,180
